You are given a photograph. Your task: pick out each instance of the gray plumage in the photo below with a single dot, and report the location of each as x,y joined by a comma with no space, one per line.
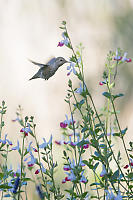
49,69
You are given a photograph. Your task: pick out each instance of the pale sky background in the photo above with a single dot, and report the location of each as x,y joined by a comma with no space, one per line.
30,29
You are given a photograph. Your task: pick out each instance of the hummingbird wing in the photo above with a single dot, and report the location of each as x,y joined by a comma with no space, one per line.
51,61
39,64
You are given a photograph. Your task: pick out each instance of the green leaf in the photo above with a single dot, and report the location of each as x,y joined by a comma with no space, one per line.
96,165
115,175
1,175
70,83
118,95
131,156
106,94
88,164
62,27
80,144
124,131
5,186
130,175
79,75
84,195
64,22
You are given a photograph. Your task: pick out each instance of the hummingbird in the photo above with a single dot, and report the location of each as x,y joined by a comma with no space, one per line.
47,70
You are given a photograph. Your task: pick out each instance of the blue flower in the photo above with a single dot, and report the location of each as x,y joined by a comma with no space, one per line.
71,68
5,140
16,147
80,89
44,144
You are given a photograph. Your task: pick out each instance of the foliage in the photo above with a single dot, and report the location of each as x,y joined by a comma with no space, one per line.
88,143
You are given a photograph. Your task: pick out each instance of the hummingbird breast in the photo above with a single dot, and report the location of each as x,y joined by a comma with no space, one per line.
48,72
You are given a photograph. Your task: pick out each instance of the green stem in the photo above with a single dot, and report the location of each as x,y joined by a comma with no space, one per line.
38,151
21,175
119,125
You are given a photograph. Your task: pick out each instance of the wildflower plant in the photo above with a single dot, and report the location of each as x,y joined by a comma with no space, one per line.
94,168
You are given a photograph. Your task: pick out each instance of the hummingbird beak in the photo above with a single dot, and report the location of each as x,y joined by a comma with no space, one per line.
68,61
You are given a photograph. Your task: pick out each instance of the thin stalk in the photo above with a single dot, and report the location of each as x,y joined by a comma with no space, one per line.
38,151
119,125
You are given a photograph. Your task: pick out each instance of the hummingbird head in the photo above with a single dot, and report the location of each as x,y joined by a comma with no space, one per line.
60,61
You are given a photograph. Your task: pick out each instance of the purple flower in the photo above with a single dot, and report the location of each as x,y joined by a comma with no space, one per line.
26,130
58,142
60,44
63,125
66,168
63,42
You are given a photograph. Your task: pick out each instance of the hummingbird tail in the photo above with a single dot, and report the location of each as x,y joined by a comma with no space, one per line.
34,77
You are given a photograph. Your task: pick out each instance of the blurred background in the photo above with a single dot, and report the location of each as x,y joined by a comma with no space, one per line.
30,29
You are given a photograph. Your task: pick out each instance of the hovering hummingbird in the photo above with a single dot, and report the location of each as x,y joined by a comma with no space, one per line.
49,69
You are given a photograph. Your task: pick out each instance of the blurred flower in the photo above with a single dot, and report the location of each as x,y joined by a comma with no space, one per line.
37,171
110,195
17,119
117,57
58,142
125,58
34,149
63,181
16,184
85,146
39,191
102,82
126,166
118,197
